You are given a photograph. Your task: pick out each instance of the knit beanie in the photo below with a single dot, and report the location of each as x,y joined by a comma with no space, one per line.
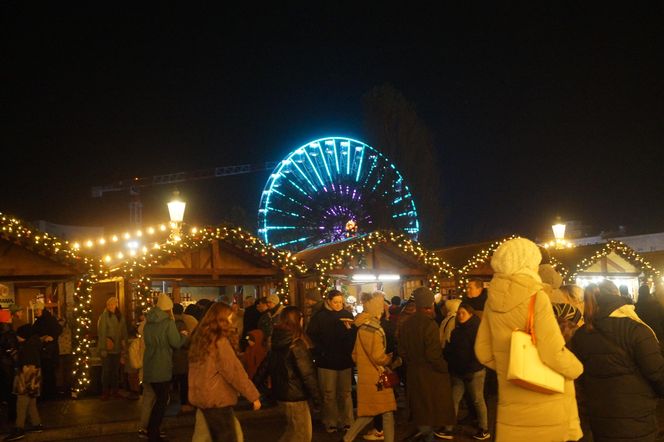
313,295
374,306
452,305
273,298
550,276
164,302
423,297
517,256
25,331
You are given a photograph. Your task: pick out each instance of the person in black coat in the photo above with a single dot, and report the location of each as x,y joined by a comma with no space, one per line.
293,375
467,374
27,385
333,334
8,350
623,368
48,329
651,312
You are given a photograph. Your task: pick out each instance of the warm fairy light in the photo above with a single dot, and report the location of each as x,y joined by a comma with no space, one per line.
107,258
89,243
101,241
151,230
115,238
132,252
139,233
120,255
194,230
162,227
126,235
75,246
359,247
479,259
156,246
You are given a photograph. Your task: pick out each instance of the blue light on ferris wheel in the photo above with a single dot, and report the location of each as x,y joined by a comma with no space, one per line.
327,184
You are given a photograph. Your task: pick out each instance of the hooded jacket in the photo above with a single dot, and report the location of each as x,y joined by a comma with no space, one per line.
460,351
370,357
525,415
161,337
624,373
291,368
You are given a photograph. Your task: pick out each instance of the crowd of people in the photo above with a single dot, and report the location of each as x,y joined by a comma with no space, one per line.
443,353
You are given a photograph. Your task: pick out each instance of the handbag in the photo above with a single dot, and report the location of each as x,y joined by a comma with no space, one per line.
386,378
526,369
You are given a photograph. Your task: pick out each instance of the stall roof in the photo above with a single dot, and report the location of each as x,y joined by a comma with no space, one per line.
412,250
577,259
312,255
458,256
31,252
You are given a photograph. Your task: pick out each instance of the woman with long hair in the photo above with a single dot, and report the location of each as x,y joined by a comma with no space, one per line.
333,336
293,375
216,375
624,368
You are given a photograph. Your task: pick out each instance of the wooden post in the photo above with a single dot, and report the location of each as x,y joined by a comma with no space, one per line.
176,292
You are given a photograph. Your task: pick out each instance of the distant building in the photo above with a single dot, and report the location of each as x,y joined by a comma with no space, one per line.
69,233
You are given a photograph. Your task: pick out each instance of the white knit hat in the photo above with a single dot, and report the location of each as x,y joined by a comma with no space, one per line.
273,298
164,302
517,256
550,276
452,305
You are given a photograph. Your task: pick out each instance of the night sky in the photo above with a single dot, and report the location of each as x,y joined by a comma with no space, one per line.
537,111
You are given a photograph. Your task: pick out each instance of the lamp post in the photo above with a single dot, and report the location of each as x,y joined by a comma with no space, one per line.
176,212
559,234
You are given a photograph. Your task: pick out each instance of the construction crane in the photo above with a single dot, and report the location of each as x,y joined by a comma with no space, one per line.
133,185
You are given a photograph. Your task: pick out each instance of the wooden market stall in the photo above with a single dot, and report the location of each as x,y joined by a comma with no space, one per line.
380,260
207,263
613,260
200,264
473,261
36,267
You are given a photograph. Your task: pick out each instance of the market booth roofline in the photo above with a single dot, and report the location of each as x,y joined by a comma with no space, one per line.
36,266
201,263
403,263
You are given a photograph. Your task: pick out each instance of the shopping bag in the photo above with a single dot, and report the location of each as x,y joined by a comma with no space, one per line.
526,369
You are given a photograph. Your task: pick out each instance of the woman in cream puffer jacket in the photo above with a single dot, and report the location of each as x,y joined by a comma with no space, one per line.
525,415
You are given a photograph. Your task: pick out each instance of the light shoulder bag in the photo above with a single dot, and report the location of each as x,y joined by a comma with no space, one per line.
526,369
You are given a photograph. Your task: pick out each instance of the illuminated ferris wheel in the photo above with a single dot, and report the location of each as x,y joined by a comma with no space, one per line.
331,189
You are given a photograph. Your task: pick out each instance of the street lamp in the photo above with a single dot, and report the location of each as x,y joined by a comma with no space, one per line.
176,211
559,234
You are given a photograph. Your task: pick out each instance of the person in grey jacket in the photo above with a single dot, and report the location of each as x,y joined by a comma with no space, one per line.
111,341
161,337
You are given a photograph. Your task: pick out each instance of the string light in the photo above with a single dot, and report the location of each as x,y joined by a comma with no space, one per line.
478,260
361,245
621,249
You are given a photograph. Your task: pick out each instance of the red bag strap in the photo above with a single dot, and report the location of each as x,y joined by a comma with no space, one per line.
530,321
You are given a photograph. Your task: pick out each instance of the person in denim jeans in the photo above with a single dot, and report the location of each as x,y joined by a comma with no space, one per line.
467,373
333,334
293,375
